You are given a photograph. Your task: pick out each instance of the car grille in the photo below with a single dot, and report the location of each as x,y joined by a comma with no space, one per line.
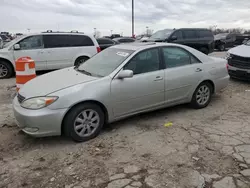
20,98
242,75
239,62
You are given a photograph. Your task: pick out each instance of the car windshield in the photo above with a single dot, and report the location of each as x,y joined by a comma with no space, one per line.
8,44
221,35
162,34
105,62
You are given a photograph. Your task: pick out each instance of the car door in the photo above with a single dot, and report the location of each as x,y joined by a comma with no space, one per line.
59,51
177,37
190,38
32,46
182,74
145,90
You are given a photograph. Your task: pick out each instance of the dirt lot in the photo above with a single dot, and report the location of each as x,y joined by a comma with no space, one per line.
203,148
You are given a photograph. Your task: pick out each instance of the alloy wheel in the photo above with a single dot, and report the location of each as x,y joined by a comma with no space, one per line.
203,95
3,71
86,123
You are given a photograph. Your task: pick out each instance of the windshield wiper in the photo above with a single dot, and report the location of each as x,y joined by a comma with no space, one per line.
88,73
84,71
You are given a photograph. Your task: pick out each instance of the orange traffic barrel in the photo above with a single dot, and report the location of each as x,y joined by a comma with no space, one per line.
25,71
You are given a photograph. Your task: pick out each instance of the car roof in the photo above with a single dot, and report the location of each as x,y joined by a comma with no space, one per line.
137,46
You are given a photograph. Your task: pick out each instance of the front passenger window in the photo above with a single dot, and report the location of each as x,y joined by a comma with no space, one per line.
146,61
176,57
32,42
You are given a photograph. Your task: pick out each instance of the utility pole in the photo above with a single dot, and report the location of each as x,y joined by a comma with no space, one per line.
147,30
133,26
95,32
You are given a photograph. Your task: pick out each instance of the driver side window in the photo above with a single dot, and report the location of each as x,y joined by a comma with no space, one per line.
32,42
143,62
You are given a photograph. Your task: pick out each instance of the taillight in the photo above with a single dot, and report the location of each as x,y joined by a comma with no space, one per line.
98,49
227,66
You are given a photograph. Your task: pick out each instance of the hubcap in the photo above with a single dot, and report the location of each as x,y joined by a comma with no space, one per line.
203,95
3,71
86,122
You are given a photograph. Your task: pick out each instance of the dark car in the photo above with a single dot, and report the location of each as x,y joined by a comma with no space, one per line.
241,39
124,40
115,36
105,43
5,38
200,39
224,40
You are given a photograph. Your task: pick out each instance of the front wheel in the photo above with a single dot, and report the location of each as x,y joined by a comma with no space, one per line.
202,95
84,122
6,70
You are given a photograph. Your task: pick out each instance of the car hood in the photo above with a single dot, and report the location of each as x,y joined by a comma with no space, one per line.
54,81
242,50
219,37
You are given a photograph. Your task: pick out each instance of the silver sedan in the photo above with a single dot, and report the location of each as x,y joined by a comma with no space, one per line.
120,81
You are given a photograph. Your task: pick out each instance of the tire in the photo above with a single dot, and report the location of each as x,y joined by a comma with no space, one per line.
198,102
6,70
204,50
80,60
80,126
222,47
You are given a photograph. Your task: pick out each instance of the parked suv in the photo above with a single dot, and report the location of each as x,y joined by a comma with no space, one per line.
49,50
239,62
200,39
224,40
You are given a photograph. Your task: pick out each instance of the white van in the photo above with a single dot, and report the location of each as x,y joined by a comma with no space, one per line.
49,50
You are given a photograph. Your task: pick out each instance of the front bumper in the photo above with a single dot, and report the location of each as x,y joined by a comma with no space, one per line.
39,123
241,74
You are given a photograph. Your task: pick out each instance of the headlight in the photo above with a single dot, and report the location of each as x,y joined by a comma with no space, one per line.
38,102
228,56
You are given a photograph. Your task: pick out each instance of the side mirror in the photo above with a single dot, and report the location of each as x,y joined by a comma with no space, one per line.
17,47
125,74
174,38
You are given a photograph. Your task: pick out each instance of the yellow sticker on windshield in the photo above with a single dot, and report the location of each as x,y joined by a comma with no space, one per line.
124,54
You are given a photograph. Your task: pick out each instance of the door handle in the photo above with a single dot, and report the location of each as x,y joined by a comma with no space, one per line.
198,70
157,78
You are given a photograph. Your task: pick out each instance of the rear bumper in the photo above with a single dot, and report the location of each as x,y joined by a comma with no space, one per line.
221,83
241,74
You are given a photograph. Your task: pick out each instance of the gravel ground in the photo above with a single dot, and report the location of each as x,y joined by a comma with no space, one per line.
207,148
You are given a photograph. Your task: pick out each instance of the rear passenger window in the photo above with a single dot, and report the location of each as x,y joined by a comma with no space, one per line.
204,33
189,34
177,57
80,40
60,41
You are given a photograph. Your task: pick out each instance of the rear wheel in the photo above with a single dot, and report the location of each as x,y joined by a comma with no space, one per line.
222,47
202,95
6,70
204,50
84,122
80,60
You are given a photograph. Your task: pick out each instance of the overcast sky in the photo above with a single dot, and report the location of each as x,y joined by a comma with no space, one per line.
106,15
